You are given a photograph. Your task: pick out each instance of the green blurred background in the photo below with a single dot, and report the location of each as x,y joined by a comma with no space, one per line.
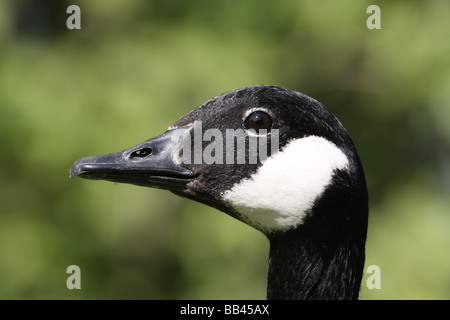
137,66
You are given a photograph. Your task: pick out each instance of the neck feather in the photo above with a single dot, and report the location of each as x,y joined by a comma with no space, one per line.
323,258
302,268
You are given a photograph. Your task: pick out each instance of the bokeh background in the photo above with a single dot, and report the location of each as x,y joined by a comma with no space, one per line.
136,66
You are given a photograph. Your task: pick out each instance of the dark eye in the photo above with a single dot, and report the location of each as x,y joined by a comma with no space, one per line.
258,120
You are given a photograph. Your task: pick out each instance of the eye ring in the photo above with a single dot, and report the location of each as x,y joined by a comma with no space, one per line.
258,119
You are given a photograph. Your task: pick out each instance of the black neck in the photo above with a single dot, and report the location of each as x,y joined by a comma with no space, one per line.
324,257
301,268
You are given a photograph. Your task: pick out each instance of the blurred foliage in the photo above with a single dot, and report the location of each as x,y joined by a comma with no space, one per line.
136,66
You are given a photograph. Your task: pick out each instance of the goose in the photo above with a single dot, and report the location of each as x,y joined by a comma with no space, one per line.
301,183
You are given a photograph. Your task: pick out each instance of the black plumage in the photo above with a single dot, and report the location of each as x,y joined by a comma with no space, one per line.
320,258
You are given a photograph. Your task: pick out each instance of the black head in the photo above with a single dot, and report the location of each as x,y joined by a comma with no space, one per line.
193,160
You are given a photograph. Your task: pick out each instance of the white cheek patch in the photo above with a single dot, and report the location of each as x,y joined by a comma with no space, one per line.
279,195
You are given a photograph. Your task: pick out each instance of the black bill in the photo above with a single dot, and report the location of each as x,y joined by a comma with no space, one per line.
152,163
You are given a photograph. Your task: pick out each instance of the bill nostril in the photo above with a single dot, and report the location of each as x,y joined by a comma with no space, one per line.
141,153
